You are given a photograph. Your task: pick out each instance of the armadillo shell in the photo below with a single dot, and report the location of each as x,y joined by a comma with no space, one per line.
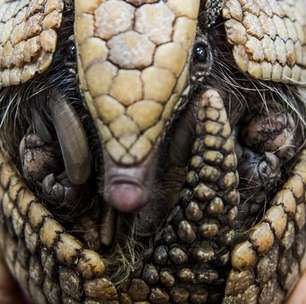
268,38
27,38
133,67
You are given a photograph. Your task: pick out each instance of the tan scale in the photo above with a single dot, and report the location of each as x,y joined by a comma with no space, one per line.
288,202
28,38
90,266
133,62
21,206
268,38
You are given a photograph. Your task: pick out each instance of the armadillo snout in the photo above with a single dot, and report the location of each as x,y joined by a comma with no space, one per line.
128,188
126,196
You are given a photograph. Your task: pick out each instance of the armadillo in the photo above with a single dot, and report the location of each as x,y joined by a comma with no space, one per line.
152,150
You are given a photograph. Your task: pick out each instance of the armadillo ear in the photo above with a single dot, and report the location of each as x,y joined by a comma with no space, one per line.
269,39
27,38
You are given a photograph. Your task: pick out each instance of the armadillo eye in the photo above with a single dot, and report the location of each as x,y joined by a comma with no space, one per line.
71,50
200,52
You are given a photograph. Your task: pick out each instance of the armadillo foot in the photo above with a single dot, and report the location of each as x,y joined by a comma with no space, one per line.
57,189
271,132
259,172
38,159
43,169
268,142
259,176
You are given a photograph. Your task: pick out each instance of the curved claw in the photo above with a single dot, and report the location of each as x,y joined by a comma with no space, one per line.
59,191
72,139
40,127
52,189
107,229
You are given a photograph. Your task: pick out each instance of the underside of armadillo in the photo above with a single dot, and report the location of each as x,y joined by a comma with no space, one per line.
152,151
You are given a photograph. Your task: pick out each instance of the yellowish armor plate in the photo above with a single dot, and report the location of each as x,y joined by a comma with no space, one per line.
268,38
27,38
133,66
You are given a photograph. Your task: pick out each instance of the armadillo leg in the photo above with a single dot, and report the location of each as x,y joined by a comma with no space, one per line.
41,167
267,266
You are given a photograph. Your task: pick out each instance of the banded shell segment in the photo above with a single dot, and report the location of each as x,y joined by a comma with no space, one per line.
27,38
51,265
268,38
273,256
133,63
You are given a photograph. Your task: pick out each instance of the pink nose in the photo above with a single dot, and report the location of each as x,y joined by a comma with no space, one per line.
127,189
126,197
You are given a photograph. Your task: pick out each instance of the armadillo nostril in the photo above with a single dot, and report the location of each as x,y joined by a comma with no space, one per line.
126,196
128,189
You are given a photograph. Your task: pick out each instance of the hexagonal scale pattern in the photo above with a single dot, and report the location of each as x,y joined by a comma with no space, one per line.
133,57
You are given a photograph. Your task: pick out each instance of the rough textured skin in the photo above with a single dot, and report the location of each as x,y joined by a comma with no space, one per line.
53,266
48,263
146,48
273,257
269,38
187,248
28,38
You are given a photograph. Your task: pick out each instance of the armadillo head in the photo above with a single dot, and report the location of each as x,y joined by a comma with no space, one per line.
133,65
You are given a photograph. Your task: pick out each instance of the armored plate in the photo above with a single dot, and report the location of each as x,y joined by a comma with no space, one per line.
268,38
133,65
27,38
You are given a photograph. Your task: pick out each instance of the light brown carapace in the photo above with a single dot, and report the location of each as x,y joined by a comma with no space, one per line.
133,69
133,63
